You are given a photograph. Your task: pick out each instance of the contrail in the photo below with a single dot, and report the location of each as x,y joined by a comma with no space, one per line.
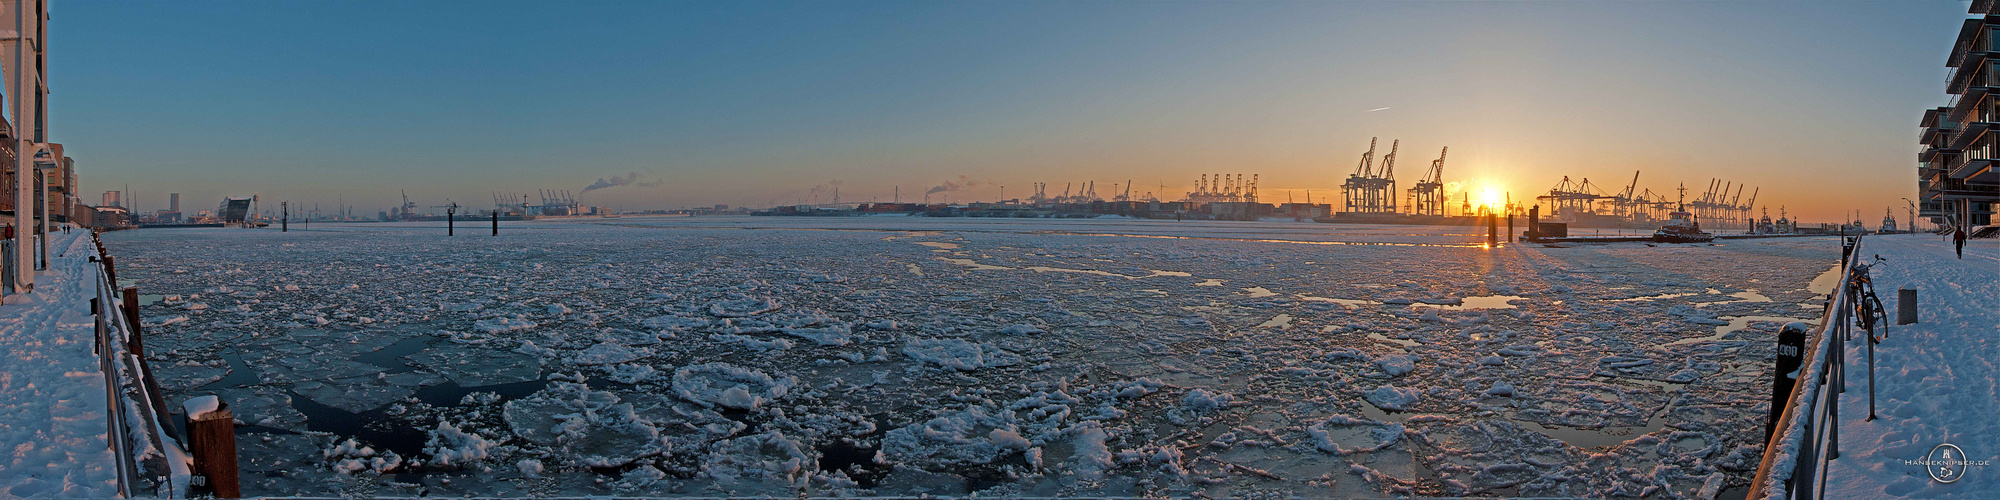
1374,110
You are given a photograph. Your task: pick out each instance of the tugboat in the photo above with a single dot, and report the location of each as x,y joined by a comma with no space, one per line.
1681,226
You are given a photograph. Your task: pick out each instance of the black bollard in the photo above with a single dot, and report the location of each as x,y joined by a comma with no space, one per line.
1791,357
496,222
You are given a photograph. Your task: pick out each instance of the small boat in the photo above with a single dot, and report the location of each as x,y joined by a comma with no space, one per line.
1681,228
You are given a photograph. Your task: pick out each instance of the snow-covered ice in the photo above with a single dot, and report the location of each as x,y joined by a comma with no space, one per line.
732,356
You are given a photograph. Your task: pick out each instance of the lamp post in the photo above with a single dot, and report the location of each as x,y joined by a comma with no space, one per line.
1913,216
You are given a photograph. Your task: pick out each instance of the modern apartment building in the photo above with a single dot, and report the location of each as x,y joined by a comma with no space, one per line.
1958,181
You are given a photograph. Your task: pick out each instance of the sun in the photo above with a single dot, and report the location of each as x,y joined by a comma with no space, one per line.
1492,197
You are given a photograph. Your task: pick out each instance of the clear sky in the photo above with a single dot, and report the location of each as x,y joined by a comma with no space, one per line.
753,103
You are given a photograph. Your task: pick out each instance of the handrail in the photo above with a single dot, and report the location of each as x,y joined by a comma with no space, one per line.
124,370
1788,453
119,431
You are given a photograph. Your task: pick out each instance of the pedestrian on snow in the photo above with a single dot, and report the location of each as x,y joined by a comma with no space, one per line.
1958,240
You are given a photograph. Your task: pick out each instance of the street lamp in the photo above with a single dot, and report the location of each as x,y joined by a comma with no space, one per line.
1913,216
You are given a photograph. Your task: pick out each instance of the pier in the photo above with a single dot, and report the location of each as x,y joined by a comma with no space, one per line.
66,342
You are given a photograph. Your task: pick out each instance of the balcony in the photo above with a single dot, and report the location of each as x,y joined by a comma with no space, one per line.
1966,169
1969,41
1965,136
1985,173
1973,105
1962,75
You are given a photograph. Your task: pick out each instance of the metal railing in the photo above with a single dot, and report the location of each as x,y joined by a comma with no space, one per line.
136,408
1808,434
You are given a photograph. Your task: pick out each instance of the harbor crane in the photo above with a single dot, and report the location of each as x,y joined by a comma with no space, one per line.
1368,191
1428,195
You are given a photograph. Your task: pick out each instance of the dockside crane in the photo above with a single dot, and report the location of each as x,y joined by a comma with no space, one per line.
1429,191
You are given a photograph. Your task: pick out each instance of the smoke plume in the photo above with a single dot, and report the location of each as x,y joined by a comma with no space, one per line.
629,179
963,182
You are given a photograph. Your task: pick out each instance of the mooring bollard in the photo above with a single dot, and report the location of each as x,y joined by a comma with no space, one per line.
1791,358
1906,306
212,440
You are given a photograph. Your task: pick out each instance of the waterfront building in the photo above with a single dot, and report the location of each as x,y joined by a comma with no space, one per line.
1957,179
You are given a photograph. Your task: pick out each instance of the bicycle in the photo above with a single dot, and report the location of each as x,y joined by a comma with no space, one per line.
1867,306
1867,309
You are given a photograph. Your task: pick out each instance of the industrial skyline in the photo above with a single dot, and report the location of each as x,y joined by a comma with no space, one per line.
688,104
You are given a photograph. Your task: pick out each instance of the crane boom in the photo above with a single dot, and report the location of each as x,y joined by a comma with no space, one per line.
1367,167
1389,161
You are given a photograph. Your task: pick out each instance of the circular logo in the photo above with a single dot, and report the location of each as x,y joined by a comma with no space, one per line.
1946,463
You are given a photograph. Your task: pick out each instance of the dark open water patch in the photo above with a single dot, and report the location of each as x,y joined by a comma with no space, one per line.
372,428
240,374
858,460
856,454
391,357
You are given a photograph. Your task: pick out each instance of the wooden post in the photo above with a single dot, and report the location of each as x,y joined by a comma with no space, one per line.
496,222
1492,230
1510,226
1534,222
111,269
131,296
212,440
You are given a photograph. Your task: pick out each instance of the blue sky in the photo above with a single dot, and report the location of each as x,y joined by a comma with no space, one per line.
752,103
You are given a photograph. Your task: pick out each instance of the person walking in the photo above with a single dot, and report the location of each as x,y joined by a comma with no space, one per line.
1958,240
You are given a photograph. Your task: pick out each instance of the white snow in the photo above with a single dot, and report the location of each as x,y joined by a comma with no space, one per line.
1938,382
449,446
52,401
200,406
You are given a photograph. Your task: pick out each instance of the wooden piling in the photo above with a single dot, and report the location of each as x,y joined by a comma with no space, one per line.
111,269
212,441
496,222
131,306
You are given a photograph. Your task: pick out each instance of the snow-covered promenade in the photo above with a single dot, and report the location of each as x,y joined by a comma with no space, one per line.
1938,380
52,399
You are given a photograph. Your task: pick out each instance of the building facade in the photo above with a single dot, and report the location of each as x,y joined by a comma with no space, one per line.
1958,181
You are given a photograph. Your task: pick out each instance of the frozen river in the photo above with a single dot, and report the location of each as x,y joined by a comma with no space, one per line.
903,356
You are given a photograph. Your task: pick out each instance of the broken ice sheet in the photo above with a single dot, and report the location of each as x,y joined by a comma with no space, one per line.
474,367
